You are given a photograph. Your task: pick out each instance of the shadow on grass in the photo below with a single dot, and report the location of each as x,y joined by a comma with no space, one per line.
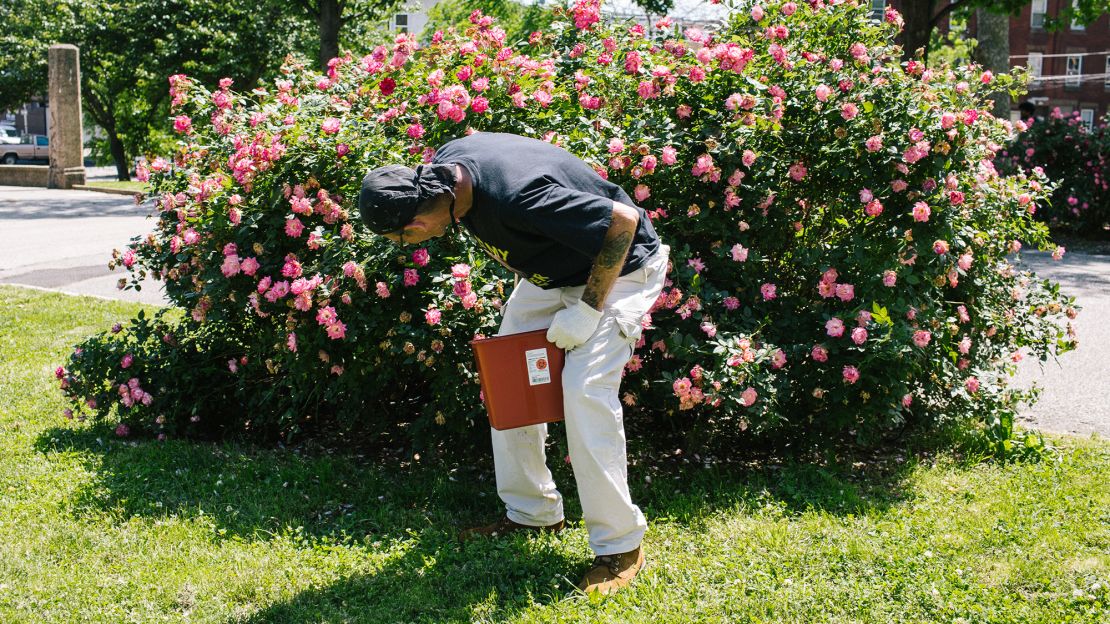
412,513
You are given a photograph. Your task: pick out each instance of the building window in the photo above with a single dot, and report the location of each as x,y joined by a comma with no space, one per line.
1087,115
1035,63
1039,9
401,22
878,9
1074,71
1106,80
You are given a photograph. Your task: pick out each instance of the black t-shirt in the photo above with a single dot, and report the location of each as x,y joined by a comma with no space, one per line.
539,210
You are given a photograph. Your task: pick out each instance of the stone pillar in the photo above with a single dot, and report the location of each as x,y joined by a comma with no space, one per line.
67,166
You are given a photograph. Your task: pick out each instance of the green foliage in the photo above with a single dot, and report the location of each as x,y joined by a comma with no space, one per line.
953,47
519,20
839,237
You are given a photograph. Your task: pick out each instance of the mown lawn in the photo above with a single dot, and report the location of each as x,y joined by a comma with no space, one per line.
131,185
94,528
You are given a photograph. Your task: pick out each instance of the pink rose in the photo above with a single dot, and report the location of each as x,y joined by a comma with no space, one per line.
460,271
669,155
768,291
420,257
411,277
748,397
972,384
921,337
940,247
845,292
432,316
859,335
851,374
889,279
822,92
834,327
331,125
182,124
739,253
820,353
921,212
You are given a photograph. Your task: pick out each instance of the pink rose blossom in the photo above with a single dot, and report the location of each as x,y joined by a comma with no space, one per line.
420,257
182,124
411,277
845,292
331,125
381,290
293,227
797,172
834,327
669,155
859,335
921,212
874,143
889,278
849,111
851,374
921,337
822,92
748,397
739,253
778,359
126,360
432,316
940,247
820,353
972,384
768,291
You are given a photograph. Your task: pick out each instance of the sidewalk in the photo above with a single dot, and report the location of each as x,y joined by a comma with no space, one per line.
63,240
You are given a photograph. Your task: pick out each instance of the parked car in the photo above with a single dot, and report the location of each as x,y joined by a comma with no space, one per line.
30,147
8,135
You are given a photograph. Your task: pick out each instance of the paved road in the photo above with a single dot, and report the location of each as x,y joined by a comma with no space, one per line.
1076,397
62,240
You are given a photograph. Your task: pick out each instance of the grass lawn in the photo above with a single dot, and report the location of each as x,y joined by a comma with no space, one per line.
131,185
94,528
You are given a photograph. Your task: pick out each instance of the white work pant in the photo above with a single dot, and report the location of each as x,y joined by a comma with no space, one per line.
594,420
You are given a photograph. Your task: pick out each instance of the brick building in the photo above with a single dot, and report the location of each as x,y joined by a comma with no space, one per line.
1073,63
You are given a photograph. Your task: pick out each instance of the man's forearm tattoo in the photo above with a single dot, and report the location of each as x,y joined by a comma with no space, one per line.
606,268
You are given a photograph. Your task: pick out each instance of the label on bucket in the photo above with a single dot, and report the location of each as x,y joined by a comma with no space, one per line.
539,368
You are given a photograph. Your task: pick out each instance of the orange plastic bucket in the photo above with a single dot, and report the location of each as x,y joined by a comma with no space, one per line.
521,376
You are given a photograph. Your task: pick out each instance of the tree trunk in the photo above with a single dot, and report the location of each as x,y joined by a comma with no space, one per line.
918,15
123,169
104,118
330,21
993,52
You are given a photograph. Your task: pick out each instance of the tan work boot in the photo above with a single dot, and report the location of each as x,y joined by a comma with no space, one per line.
612,572
503,527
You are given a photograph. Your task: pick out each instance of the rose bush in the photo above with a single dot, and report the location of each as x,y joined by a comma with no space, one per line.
839,236
1077,160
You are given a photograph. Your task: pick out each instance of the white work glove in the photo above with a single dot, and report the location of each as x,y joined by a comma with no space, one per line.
574,325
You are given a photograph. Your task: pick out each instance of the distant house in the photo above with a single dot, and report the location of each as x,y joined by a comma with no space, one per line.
1073,64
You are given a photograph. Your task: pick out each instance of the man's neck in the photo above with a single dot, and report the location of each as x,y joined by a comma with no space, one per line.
464,192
